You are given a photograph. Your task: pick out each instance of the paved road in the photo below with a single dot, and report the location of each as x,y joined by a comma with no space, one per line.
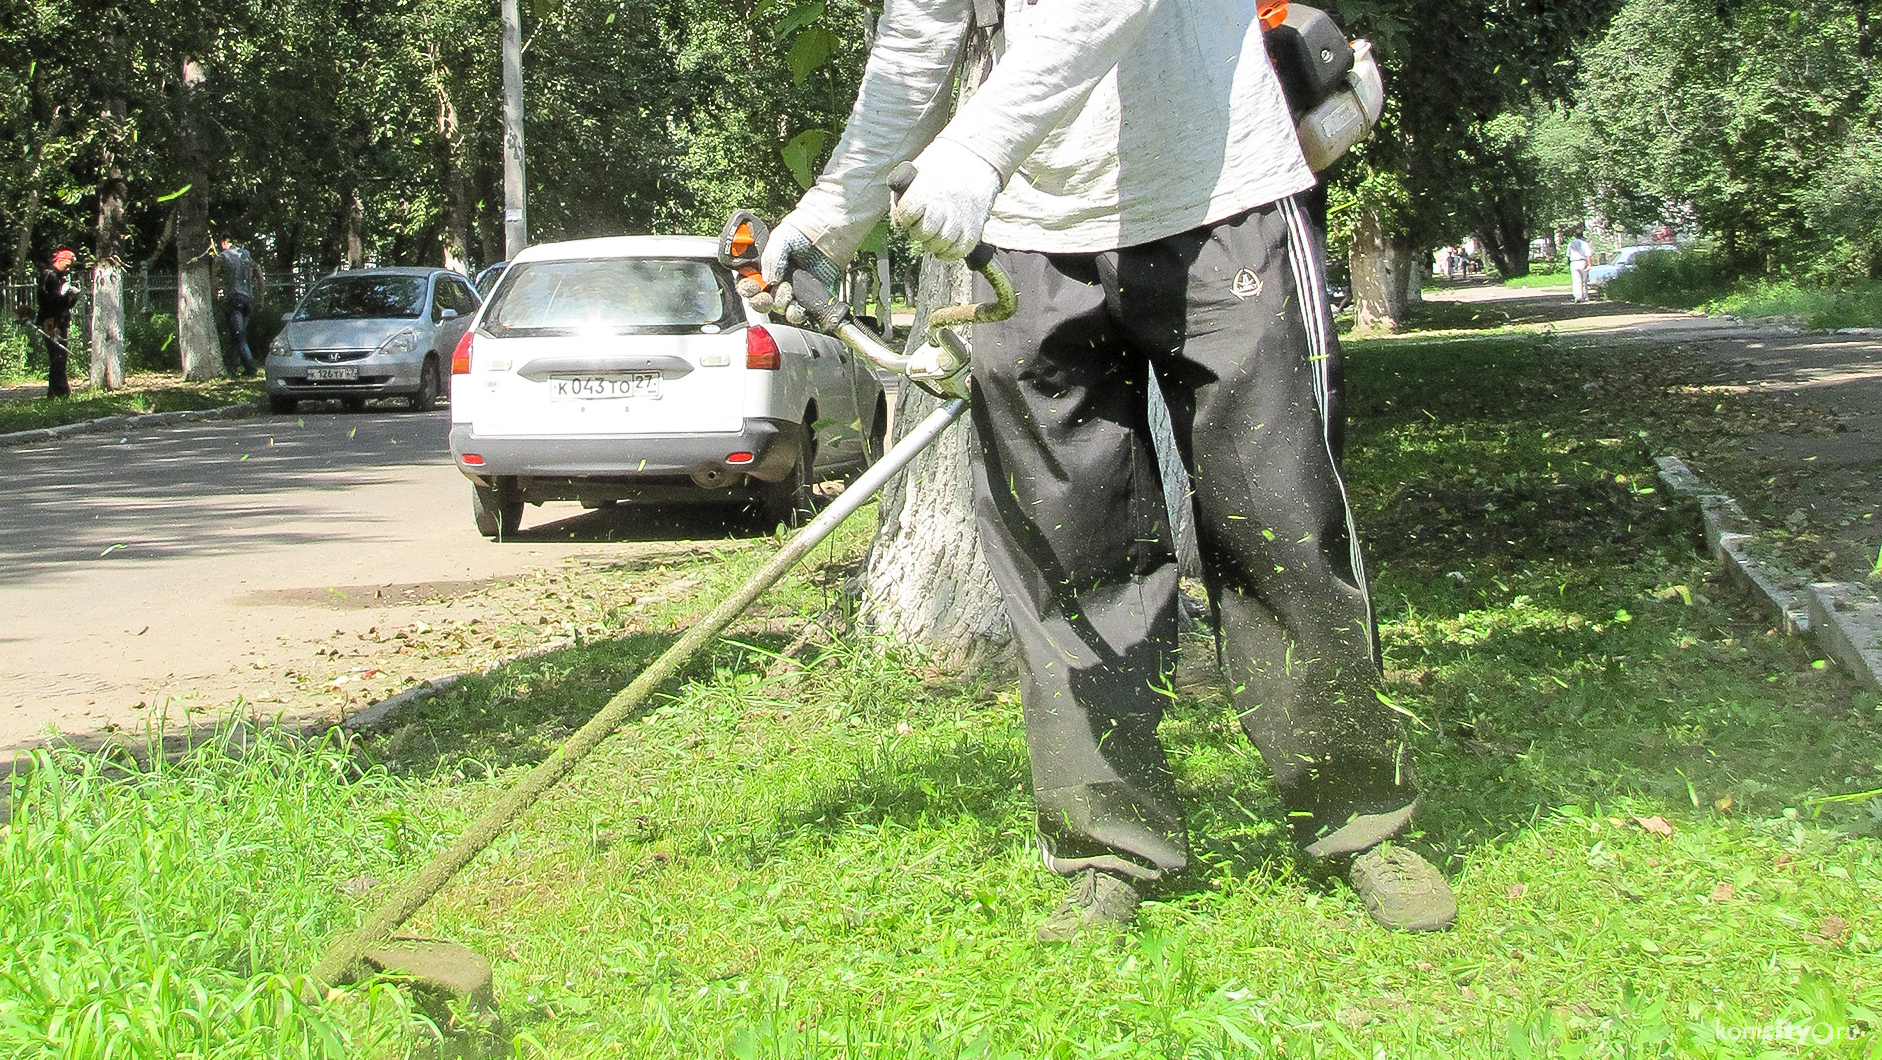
181,567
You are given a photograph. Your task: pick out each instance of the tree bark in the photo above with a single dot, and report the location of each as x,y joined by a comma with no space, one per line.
197,342
353,227
107,283
1378,265
925,584
22,266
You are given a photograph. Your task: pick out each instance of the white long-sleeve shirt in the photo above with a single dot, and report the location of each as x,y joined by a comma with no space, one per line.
1111,122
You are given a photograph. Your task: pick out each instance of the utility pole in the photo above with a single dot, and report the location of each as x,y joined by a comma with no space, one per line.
515,210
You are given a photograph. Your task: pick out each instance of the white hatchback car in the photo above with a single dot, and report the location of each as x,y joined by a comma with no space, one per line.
629,368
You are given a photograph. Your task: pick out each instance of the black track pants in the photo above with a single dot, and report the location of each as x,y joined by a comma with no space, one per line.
1233,320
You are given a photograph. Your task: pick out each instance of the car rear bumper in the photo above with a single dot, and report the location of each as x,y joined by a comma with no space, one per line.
627,459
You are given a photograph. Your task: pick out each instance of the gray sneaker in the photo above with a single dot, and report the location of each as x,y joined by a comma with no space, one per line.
1096,898
1402,891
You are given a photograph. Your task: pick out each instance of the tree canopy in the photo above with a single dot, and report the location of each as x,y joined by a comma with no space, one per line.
331,130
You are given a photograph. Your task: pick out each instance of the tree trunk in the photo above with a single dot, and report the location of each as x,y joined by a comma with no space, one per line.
197,342
22,267
451,174
107,278
925,583
1378,264
353,226
107,326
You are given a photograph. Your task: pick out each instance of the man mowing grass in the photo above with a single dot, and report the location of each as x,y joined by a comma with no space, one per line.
1138,168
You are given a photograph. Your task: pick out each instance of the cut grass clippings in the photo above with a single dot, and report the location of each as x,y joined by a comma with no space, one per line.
141,393
1631,779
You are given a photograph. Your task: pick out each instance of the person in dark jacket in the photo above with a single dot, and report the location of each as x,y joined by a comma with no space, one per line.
241,284
57,296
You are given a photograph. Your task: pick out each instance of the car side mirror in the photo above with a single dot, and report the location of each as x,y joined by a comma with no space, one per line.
287,317
449,314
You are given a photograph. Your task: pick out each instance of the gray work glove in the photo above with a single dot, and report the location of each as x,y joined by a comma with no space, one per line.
787,249
946,207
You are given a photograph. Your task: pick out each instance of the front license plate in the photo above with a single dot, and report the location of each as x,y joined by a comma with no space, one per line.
328,375
631,385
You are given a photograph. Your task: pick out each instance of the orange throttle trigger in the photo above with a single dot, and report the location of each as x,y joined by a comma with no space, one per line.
742,245
1271,12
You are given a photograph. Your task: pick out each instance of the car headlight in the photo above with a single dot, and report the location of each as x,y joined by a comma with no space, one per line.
402,343
280,347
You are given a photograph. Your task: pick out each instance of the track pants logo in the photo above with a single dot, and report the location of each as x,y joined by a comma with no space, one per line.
1247,285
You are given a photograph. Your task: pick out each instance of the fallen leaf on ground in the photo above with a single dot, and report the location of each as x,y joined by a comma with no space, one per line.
1722,893
1831,930
1655,824
1516,890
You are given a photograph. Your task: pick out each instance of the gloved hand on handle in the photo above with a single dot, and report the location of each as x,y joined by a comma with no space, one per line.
784,251
946,206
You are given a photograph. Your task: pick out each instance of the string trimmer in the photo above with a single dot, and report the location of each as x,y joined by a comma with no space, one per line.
444,968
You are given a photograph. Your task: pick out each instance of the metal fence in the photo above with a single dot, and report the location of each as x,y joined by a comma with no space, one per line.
146,292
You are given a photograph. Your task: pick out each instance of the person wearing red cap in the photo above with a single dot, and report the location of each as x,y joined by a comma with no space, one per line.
57,296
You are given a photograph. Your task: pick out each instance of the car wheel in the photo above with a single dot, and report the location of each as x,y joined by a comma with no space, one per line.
877,443
497,516
282,406
790,500
428,387
353,404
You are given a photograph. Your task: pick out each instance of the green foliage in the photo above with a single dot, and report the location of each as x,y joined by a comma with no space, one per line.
1679,280
1855,305
16,349
1758,122
1450,72
150,342
1701,279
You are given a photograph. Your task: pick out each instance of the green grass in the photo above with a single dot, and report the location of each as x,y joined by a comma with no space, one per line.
835,861
165,911
142,393
1858,305
1540,279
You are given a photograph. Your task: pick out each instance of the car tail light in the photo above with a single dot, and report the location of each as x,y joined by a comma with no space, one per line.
460,357
738,458
761,350
472,459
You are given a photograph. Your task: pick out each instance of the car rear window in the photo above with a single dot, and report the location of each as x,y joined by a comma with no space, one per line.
364,298
622,295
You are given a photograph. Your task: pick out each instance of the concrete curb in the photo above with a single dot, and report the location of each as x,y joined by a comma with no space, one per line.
1844,617
386,711
108,424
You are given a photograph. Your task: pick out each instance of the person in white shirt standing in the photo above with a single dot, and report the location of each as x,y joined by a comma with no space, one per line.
1580,255
1136,166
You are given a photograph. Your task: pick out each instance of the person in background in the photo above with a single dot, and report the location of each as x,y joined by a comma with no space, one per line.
1580,255
57,295
242,283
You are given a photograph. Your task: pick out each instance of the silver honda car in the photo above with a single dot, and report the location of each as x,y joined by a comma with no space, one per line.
370,333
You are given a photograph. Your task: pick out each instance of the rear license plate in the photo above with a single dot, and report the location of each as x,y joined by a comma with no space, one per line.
630,385
327,375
